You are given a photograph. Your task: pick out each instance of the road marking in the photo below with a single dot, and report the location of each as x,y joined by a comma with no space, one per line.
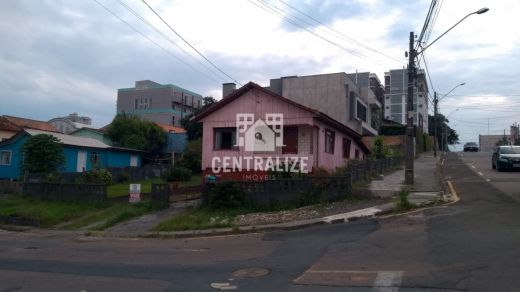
480,173
453,192
473,166
488,180
223,286
388,281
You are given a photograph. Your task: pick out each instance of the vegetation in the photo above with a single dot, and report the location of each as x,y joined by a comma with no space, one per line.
132,132
95,176
402,203
442,129
42,154
122,189
380,149
178,174
198,218
225,195
47,213
194,130
192,156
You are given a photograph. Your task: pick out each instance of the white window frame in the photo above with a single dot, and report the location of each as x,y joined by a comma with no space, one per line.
10,157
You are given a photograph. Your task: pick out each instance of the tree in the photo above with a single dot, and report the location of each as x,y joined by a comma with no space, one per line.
442,130
132,132
380,149
192,156
42,154
194,130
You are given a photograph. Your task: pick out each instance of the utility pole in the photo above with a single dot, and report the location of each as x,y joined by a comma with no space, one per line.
410,133
435,101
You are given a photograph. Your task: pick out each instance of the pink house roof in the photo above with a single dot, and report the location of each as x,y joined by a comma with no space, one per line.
253,86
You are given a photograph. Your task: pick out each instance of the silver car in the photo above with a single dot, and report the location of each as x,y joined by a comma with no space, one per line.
506,157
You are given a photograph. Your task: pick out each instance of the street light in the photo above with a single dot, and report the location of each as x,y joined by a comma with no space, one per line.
435,109
410,132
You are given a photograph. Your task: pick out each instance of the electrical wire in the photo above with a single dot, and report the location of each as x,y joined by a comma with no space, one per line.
189,44
342,35
145,21
154,42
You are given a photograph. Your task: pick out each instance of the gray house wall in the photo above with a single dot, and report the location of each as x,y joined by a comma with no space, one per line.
165,104
333,94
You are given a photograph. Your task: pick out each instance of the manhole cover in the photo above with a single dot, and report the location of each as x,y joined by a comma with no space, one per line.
251,273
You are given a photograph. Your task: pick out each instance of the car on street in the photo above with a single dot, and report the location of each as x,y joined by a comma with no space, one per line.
471,147
506,157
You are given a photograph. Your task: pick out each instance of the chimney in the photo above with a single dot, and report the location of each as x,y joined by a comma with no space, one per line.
228,88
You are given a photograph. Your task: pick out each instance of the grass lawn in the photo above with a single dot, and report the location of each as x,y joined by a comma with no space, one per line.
198,218
46,212
122,189
50,213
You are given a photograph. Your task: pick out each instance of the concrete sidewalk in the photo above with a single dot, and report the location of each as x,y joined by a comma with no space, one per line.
426,190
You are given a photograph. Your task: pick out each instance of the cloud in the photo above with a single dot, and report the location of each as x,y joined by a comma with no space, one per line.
72,56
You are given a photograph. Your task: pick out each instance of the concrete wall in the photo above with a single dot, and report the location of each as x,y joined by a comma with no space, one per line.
161,109
488,142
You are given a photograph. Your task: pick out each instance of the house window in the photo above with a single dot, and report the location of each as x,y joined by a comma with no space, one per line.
361,112
173,120
356,153
5,157
94,158
346,148
329,141
225,138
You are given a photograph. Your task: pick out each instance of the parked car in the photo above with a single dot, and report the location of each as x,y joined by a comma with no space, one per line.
506,157
471,147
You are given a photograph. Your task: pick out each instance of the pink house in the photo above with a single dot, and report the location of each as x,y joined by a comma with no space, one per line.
252,130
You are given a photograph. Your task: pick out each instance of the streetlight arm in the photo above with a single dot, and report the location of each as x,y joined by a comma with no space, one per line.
480,11
451,91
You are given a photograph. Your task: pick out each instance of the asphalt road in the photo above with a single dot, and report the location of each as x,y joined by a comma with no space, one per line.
508,181
472,245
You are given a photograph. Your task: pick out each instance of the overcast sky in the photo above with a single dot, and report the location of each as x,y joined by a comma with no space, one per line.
58,57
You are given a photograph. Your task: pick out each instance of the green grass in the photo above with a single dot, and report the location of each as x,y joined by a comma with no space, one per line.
122,189
48,213
198,218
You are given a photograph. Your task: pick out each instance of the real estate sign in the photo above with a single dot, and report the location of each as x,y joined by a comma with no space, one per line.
135,193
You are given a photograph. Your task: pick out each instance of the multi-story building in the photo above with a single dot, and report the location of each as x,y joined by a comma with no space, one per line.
370,80
70,123
336,95
163,104
396,91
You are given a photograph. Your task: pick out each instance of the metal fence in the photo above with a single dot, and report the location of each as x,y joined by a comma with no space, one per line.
322,188
119,174
66,192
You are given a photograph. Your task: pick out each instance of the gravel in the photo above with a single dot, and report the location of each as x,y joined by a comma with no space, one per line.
308,212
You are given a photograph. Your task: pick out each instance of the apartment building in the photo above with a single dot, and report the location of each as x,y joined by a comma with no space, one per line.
337,95
160,103
396,91
70,123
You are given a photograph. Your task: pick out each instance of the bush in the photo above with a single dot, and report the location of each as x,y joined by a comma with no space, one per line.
192,156
124,177
225,195
178,174
96,176
54,178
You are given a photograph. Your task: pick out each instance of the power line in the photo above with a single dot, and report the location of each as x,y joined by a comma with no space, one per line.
345,37
270,10
144,20
153,42
190,45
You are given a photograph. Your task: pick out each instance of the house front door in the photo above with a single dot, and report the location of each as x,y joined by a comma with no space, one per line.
82,161
290,140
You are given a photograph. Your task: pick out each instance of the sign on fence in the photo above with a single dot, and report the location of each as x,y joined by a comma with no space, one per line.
135,193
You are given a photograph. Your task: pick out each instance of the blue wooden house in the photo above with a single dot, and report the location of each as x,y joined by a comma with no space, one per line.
81,154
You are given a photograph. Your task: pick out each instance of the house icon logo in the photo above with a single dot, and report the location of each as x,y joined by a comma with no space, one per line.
260,135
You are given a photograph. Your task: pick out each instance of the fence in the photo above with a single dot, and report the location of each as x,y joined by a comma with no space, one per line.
10,187
163,194
119,174
324,188
66,192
